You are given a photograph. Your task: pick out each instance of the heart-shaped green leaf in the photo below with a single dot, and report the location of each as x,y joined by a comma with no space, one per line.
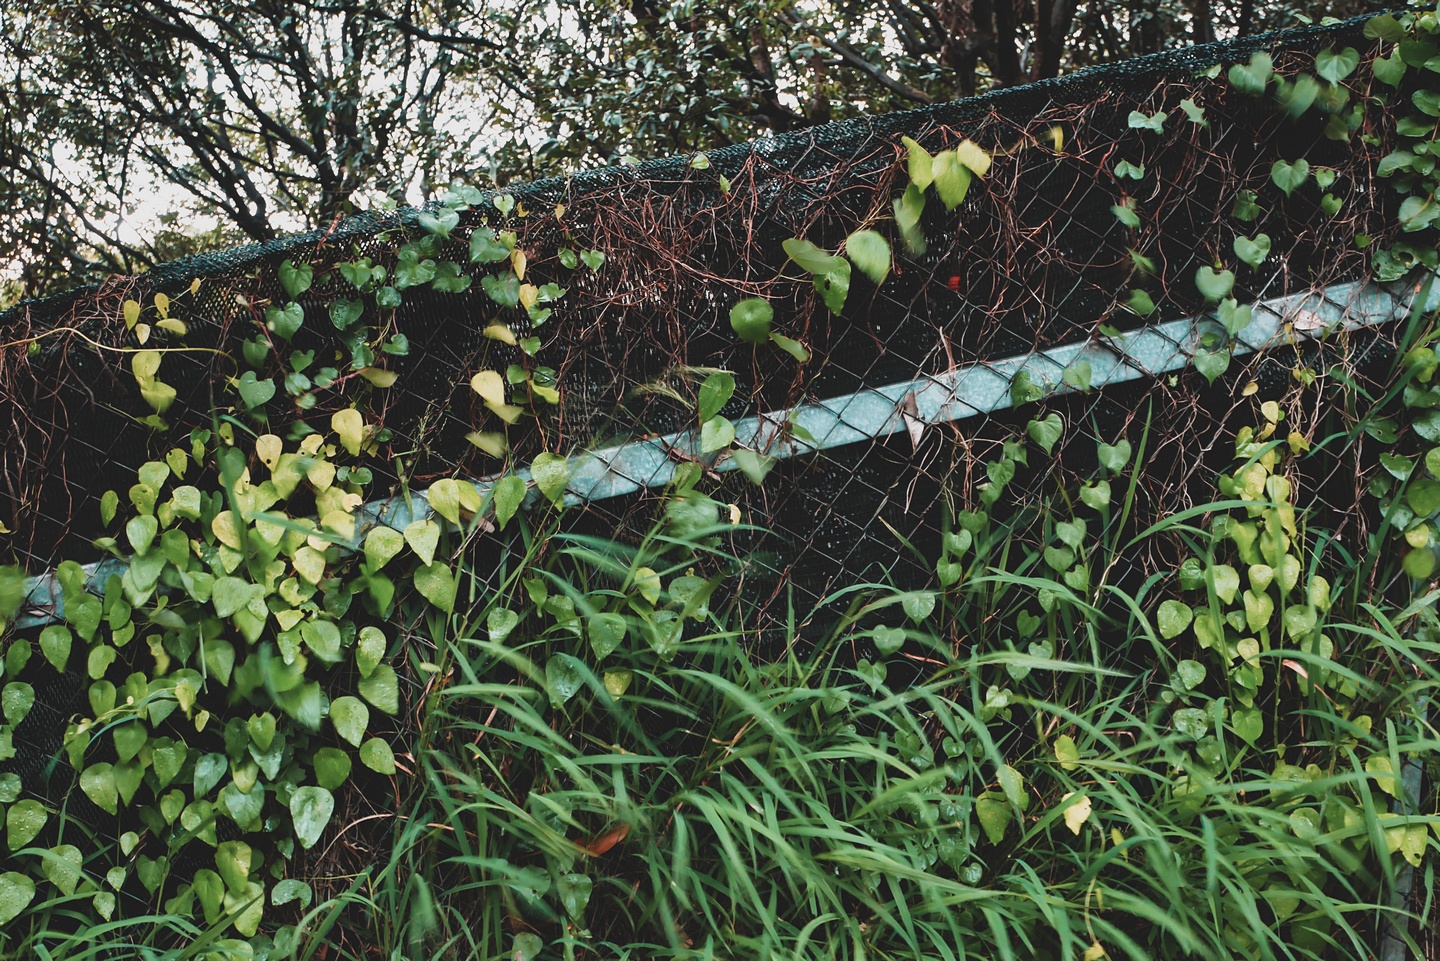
167,758
1154,122
1172,618
16,893
128,775
918,163
382,689
605,631
1418,212
323,639
98,783
344,314
485,248
551,473
1252,78
1247,722
1113,457
351,718
129,737
209,769
219,659
716,434
1423,496
1214,285
449,279
438,222
1140,303
509,494
381,545
1071,533
791,346
1384,27
503,290
499,623
332,767
1059,558
715,393
369,649
310,810
951,177
55,642
436,583
563,678
61,867
231,594
918,605
284,321
1336,65
295,280
378,756
751,318
1212,363
423,536
23,821
1045,431
1234,317
1191,674
141,531
1289,177
1096,495
1252,252
240,806
870,253
16,699
888,640
1296,96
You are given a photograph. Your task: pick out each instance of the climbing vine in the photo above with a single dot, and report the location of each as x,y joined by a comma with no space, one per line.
243,647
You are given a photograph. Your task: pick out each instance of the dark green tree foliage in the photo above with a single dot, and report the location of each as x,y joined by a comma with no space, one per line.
253,119
259,117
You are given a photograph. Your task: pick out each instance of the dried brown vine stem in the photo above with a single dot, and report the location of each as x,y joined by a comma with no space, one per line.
1033,259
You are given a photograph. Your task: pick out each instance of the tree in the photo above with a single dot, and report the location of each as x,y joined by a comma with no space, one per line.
247,120
262,117
645,77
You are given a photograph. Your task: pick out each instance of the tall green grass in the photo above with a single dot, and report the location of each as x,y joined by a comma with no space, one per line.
1080,790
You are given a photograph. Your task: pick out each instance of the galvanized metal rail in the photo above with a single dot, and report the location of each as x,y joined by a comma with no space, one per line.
967,391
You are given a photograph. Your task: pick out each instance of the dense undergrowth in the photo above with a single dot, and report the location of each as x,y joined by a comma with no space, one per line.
1101,728
592,760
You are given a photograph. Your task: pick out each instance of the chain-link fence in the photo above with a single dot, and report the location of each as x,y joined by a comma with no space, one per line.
904,396
1110,183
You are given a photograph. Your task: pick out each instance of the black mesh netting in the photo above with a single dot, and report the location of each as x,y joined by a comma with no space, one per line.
1033,259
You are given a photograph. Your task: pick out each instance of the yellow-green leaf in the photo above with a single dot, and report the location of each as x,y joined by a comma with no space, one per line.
491,442
268,448
349,426
499,332
1077,813
423,536
490,386
378,377
437,585
974,156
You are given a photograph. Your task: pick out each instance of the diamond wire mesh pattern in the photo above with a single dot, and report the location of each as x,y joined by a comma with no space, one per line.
1031,271
1034,263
